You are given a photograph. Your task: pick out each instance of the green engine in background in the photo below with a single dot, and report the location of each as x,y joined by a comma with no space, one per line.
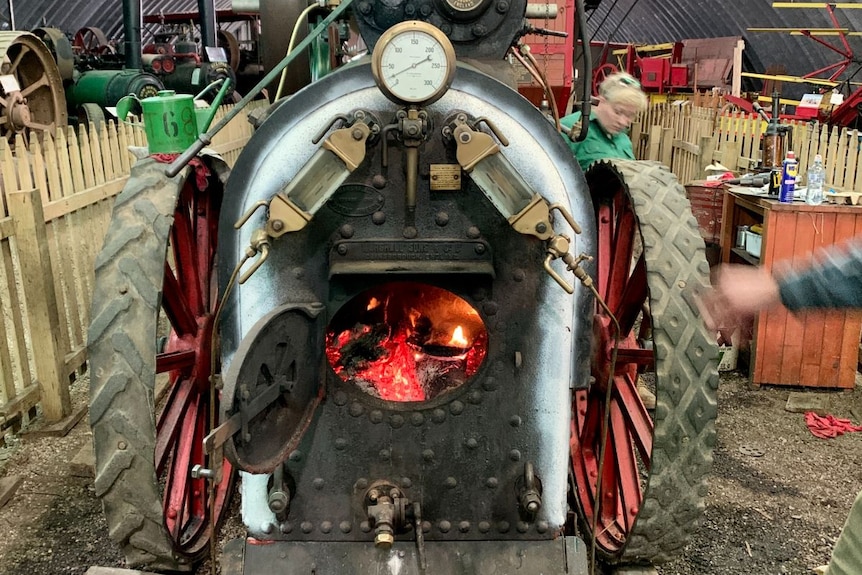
191,77
106,87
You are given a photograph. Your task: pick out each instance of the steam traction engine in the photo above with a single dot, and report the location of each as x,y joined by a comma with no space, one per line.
382,310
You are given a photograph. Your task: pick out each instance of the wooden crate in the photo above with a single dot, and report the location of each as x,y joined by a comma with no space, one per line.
706,206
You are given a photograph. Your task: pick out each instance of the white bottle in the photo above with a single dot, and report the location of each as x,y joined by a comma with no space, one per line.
816,175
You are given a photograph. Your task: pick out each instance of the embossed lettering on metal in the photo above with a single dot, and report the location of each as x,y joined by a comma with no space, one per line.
445,177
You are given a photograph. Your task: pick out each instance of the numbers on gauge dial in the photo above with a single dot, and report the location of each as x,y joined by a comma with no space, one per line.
414,66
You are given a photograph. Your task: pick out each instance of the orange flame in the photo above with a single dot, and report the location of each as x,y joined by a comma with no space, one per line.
458,339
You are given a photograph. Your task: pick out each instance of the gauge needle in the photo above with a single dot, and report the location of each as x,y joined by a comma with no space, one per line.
411,66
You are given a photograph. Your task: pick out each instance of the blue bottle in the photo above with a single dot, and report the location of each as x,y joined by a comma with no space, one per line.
789,169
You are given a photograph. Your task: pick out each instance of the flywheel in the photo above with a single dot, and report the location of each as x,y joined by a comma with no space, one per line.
31,87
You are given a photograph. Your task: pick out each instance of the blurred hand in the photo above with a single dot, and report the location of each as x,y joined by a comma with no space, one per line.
739,292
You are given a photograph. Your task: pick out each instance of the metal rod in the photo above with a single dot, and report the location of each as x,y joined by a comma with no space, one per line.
206,138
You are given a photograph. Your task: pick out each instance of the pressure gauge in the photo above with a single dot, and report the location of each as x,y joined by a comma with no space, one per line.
413,63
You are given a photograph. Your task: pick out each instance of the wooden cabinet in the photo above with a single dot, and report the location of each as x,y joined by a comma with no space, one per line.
813,348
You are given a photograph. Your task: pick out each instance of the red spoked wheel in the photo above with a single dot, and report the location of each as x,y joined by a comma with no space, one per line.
641,497
91,40
599,75
161,515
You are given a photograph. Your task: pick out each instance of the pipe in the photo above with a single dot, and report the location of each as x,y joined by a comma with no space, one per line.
586,93
206,13
11,16
132,24
206,138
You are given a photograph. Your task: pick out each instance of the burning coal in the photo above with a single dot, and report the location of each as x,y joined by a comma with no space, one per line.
407,341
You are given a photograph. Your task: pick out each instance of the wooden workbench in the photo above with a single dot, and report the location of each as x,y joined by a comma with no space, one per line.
813,348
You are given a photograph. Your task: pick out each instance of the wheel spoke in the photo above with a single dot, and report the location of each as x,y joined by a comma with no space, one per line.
643,358
13,65
181,360
605,248
38,127
184,244
206,233
33,86
637,420
629,482
176,305
170,420
178,484
631,301
624,232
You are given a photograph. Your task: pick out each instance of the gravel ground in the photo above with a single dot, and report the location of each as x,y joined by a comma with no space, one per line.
777,498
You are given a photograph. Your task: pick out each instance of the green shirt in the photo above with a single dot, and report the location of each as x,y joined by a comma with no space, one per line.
598,144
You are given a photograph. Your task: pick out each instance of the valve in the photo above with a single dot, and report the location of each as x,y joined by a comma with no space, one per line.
386,506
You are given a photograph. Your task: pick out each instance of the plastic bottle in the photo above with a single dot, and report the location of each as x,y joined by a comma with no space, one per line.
789,169
814,182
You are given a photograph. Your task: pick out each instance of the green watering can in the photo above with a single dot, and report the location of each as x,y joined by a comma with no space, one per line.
172,121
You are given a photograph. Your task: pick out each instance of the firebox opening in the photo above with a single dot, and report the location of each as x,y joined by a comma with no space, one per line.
406,341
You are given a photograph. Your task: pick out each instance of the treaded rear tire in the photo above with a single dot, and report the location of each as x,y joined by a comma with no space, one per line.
122,339
685,361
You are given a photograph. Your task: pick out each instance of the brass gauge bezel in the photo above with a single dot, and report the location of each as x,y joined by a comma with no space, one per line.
405,29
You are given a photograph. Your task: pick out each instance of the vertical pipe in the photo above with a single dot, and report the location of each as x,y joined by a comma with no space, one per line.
206,12
588,69
132,24
11,16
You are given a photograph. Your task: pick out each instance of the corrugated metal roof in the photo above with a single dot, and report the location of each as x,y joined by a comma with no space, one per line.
72,15
639,21
652,21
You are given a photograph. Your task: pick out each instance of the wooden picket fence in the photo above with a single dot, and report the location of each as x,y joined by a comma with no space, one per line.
688,138
56,200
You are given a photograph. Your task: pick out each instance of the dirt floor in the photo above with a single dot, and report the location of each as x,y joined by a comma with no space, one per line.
776,502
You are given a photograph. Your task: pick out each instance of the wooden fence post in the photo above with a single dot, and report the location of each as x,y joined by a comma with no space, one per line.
707,149
25,207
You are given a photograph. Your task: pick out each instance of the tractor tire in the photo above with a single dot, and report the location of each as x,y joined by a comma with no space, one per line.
684,363
123,340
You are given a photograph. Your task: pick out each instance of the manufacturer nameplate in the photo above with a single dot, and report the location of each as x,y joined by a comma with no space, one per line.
445,177
411,256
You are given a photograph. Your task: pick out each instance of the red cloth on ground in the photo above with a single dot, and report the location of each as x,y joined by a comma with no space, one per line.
829,426
201,169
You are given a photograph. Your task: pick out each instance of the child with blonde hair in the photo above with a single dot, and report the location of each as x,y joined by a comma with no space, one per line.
620,100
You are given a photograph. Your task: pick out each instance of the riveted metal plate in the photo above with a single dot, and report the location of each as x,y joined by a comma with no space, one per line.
410,257
562,556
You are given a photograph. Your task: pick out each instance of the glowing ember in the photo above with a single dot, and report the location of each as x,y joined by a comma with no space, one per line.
400,344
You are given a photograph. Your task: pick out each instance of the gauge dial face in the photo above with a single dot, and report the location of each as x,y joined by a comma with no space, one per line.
464,5
413,63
